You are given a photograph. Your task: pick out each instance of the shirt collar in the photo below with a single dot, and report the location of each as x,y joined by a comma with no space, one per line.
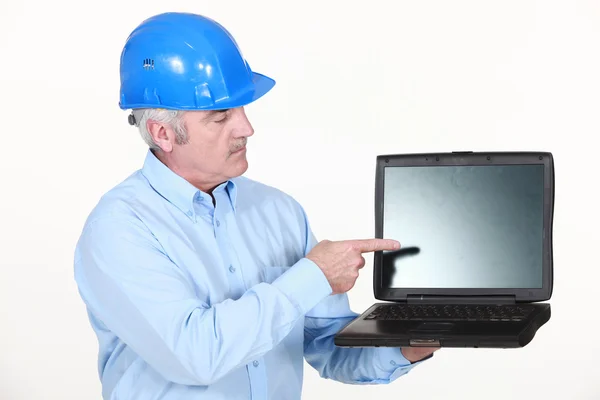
176,189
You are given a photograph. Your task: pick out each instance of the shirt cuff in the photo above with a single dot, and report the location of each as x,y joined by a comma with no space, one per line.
304,284
393,361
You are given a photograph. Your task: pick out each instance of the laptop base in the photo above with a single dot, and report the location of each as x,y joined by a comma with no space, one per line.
440,332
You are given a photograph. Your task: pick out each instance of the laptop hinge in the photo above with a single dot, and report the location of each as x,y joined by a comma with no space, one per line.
430,299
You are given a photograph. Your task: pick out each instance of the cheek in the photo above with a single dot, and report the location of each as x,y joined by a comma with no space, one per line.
209,145
210,152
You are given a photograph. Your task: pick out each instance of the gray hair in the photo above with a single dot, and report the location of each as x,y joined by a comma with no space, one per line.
172,118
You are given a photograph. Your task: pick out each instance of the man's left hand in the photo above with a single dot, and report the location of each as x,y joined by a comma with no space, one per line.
414,354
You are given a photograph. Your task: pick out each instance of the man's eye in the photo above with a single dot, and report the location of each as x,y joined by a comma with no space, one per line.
222,119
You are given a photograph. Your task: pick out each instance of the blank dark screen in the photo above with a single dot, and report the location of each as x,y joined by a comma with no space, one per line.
464,226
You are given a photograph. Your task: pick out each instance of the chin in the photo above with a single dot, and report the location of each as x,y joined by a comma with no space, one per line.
239,168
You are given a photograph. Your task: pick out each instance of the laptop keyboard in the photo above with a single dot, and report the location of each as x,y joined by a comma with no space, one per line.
450,312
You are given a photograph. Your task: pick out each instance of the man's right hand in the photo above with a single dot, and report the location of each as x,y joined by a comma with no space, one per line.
341,261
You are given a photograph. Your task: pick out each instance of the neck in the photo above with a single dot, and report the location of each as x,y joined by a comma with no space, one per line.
203,182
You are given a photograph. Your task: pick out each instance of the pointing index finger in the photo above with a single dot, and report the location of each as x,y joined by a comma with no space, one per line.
370,245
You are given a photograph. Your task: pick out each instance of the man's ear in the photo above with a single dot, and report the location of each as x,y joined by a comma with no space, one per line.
162,135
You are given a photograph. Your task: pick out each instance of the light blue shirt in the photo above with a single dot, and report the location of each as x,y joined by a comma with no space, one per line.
194,301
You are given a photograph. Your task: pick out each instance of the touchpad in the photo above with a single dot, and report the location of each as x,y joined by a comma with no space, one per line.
434,326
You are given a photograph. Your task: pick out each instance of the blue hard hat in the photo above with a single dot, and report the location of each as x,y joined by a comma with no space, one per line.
183,61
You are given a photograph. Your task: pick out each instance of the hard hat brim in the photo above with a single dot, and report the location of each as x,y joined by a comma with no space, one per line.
261,85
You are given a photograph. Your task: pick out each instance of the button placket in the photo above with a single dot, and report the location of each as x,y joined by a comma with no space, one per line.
224,226
225,246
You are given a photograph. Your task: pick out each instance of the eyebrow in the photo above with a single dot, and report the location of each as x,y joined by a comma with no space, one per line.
212,113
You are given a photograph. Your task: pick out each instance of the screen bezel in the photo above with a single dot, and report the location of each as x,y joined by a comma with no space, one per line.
468,159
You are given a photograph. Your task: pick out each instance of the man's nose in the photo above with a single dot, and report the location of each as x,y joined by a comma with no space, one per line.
243,127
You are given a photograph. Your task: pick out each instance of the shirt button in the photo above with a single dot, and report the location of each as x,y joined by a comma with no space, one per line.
218,223
189,213
255,363
393,362
231,269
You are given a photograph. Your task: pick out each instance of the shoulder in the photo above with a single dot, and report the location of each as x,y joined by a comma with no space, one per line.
120,206
115,227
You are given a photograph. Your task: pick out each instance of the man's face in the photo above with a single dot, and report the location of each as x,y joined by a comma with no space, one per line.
216,147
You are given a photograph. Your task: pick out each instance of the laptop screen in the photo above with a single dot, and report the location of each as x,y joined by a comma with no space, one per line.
464,226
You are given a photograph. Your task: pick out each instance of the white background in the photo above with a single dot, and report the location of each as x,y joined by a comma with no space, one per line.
355,79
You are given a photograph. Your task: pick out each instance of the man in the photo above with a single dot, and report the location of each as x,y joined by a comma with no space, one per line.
201,283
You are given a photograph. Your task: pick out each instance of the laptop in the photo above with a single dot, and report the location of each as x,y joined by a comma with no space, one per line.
475,265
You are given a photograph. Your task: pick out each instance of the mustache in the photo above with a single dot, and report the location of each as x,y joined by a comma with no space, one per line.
239,145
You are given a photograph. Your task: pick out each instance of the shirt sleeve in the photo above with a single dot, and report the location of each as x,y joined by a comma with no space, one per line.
366,365
361,365
130,284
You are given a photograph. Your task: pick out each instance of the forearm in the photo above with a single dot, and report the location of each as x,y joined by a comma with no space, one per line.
368,365
191,343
